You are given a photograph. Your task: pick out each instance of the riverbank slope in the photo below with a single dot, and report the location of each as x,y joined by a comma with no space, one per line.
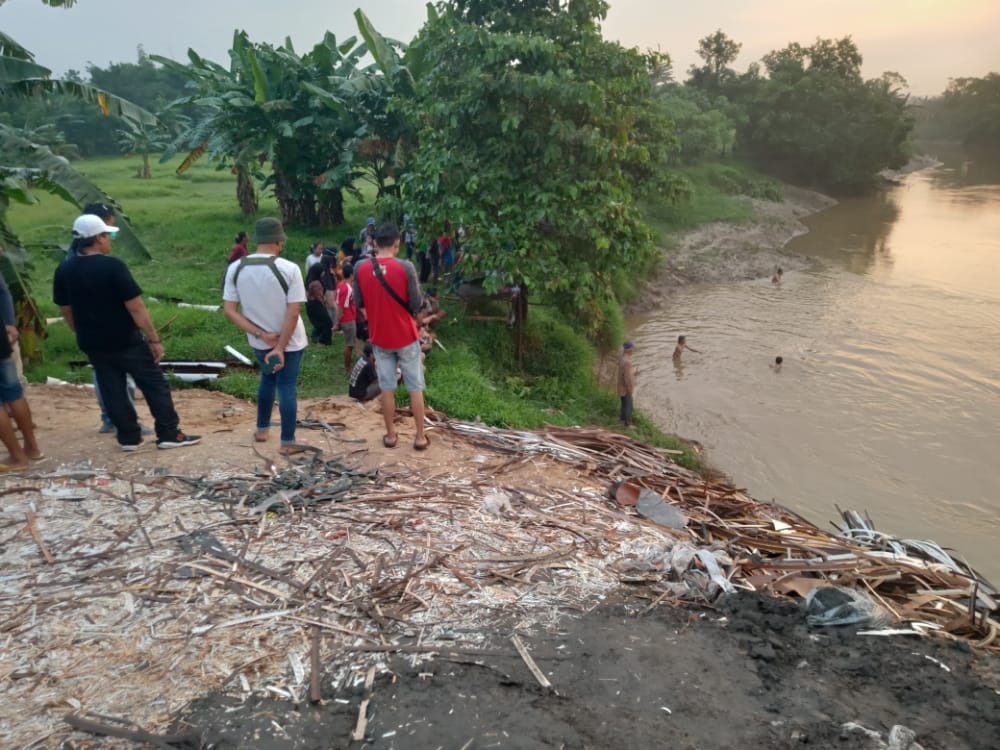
725,251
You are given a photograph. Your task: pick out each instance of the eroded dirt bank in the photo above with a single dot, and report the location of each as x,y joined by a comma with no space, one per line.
724,251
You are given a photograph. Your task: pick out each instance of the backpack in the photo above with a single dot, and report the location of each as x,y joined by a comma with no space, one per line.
269,261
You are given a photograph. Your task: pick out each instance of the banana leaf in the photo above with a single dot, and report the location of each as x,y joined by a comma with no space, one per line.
108,103
17,69
54,174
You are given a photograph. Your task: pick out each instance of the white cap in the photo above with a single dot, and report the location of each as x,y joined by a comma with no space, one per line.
88,225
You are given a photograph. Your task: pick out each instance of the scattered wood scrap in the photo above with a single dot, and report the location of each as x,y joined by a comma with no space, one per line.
137,594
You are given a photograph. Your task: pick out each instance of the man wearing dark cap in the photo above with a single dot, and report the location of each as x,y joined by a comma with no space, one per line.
626,383
101,302
387,292
263,297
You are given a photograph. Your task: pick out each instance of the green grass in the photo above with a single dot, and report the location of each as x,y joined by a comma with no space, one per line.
188,222
719,193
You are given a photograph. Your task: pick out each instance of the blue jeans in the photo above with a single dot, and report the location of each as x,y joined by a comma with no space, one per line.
285,382
112,369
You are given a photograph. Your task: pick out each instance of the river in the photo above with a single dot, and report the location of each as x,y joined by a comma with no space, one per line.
888,400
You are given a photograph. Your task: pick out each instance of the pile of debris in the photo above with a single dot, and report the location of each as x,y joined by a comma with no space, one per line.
141,592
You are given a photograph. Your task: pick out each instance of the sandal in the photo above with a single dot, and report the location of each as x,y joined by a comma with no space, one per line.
390,442
8,468
422,446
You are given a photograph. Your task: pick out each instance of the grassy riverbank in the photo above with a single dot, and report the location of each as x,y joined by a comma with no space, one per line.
188,223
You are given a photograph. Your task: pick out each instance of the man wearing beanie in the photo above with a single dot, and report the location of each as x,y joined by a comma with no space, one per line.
263,297
102,304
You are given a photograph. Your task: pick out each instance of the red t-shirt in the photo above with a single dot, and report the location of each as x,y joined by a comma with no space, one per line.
345,300
389,325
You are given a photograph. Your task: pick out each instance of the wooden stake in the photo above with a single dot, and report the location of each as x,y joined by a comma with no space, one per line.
33,530
526,657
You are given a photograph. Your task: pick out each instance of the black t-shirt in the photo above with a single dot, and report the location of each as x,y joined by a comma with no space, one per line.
97,288
362,376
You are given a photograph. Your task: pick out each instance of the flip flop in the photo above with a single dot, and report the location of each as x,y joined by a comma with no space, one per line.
39,457
390,442
10,468
422,446
294,450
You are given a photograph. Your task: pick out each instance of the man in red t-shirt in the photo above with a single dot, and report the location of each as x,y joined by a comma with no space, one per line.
387,292
347,314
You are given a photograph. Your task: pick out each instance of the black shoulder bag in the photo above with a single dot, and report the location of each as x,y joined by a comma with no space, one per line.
377,270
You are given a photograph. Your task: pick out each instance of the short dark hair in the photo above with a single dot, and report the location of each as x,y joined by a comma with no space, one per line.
241,235
681,339
100,210
778,360
369,349
347,270
386,234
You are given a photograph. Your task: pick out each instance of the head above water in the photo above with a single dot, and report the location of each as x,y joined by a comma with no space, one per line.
778,360
681,339
628,346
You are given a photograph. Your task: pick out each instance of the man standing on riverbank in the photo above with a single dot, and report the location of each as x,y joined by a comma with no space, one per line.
102,304
263,297
626,383
387,292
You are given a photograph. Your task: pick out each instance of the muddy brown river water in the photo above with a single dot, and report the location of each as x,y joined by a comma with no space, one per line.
888,399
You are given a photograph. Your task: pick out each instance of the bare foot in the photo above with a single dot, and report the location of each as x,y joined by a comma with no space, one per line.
261,436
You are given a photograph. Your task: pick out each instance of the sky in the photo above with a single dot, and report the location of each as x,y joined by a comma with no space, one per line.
927,41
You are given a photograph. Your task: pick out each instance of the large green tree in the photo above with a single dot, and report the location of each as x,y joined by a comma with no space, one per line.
536,134
273,106
815,119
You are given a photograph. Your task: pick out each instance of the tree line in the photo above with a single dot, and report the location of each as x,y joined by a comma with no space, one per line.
515,118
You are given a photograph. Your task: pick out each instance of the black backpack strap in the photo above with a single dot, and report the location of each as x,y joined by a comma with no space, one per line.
377,270
268,261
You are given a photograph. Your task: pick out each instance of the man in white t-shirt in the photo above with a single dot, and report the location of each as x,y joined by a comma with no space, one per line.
263,296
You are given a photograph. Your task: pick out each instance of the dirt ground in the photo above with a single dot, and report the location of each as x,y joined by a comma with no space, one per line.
742,673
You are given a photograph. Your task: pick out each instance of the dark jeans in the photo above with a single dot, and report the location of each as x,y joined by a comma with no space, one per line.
285,382
110,369
626,413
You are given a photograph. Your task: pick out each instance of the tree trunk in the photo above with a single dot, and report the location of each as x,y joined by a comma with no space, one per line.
331,208
246,194
146,174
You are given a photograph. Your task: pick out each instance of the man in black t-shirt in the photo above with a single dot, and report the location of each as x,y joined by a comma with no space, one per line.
102,304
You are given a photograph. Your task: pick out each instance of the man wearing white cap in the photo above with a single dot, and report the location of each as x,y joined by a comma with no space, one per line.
102,304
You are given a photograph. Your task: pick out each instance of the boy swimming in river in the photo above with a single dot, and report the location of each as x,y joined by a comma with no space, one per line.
681,346
777,363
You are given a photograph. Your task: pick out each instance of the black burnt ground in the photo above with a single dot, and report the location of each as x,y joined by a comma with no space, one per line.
746,674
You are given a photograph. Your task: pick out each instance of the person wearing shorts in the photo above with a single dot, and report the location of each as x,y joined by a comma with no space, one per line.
12,395
387,292
347,314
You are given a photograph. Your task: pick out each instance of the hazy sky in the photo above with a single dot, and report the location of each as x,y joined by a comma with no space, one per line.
927,41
